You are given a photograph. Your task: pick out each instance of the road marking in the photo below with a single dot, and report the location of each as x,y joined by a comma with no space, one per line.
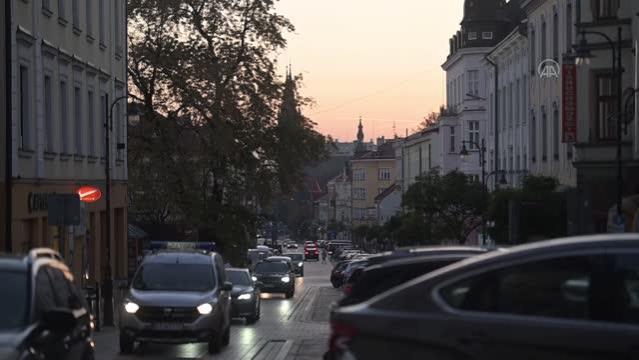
284,350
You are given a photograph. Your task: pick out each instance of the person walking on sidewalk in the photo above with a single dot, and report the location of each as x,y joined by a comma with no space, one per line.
323,255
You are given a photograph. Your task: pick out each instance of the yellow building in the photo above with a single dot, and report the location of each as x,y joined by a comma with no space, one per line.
372,173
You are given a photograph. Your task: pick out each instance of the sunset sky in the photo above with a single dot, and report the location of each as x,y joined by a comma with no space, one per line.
380,59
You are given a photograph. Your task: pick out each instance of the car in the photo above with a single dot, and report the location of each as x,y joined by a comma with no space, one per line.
291,245
573,298
177,297
282,258
44,316
298,263
311,252
245,296
364,283
337,274
276,277
352,266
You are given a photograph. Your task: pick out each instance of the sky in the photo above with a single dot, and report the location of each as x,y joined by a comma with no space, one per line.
378,59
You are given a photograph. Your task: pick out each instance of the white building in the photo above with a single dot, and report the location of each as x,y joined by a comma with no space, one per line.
339,197
421,153
550,36
508,128
68,65
465,125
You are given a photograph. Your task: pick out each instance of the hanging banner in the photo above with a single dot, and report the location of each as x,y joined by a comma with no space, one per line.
569,103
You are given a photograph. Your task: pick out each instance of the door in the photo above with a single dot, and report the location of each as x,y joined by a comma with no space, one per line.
542,309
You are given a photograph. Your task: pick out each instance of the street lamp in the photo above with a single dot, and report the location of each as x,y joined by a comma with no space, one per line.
583,56
133,118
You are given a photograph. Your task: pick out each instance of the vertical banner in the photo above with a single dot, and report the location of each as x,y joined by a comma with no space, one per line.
569,103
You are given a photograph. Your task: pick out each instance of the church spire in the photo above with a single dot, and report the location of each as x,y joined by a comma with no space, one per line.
360,147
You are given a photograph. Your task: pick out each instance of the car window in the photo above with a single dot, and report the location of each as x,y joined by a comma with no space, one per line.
14,303
174,277
623,294
271,267
558,288
238,277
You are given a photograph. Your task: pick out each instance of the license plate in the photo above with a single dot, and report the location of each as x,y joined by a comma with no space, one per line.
167,326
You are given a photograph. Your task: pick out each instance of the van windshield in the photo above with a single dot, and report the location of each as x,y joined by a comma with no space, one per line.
174,277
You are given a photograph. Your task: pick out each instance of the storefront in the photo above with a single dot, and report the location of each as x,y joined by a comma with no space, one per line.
83,246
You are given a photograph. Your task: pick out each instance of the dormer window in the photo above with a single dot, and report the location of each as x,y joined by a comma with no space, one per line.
472,35
487,35
604,9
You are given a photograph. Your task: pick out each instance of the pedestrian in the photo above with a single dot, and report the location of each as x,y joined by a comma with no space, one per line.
323,255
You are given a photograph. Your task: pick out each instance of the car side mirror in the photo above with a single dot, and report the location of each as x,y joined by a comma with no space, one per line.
227,286
59,321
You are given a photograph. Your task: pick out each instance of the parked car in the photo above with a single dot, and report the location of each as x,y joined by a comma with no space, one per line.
364,283
245,296
337,274
424,250
298,263
44,316
311,252
276,277
178,297
575,298
352,266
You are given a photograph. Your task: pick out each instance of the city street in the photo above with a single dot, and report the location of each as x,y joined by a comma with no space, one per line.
296,328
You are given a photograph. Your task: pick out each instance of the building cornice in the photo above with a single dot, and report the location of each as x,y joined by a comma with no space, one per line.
451,60
531,5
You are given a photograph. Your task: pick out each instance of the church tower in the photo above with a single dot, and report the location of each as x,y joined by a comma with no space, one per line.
360,147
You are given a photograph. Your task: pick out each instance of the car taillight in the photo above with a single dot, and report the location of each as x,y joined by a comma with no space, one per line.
341,335
348,289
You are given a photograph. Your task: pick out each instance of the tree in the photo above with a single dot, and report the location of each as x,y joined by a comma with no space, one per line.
445,207
211,101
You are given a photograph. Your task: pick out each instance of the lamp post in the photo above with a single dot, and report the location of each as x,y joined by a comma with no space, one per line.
583,56
484,176
108,278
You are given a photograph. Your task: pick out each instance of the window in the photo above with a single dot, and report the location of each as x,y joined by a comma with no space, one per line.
556,288
359,174
452,139
569,27
533,136
623,299
61,9
46,4
77,117
473,134
359,194
472,35
48,114
555,36
487,35
359,214
517,103
118,129
116,26
101,128
569,151
91,122
544,135
605,106
25,108
64,118
101,23
544,40
533,53
556,128
473,82
384,174
76,13
605,9
89,17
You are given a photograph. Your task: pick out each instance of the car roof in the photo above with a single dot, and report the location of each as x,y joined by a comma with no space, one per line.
179,257
541,248
399,262
237,270
13,262
278,258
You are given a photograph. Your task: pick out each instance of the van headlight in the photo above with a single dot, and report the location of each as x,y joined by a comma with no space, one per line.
244,297
205,309
286,279
131,307
301,263
254,278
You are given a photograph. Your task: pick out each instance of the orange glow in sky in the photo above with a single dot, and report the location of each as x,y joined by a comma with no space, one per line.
380,59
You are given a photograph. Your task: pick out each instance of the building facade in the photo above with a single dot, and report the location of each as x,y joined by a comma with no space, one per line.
388,204
551,29
68,66
339,194
421,154
508,110
372,173
465,125
4,90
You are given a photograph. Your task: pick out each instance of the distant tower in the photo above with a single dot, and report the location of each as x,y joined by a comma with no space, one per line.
360,147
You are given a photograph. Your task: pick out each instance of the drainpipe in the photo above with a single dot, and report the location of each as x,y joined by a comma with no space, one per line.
8,129
496,106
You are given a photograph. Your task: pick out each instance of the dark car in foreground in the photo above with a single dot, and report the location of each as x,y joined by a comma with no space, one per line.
337,274
178,297
44,315
245,297
276,277
364,283
575,298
